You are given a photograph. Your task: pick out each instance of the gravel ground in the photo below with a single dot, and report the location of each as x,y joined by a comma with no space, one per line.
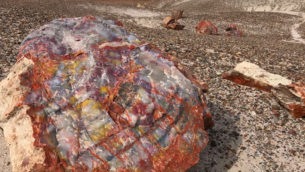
247,135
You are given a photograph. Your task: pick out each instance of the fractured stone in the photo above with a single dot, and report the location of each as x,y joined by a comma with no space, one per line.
288,94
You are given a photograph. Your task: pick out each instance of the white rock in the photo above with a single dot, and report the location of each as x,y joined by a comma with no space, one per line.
255,72
16,124
18,133
10,89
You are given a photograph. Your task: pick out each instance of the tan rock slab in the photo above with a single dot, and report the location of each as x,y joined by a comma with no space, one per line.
249,74
18,133
11,90
171,23
288,94
16,124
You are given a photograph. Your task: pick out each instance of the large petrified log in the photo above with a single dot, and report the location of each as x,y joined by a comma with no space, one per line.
85,95
288,94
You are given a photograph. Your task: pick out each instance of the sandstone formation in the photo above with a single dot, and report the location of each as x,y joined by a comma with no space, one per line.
288,94
86,95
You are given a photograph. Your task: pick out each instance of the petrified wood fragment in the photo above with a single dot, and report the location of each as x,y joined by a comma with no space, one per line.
288,94
171,23
232,30
206,27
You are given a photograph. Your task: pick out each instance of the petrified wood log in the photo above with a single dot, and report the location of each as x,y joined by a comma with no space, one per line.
86,95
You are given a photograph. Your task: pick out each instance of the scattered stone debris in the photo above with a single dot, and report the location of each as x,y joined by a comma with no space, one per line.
290,95
171,23
140,5
206,27
101,102
232,30
177,14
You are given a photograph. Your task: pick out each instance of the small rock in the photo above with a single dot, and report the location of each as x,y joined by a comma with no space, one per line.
140,5
232,30
171,23
292,132
177,14
210,50
206,27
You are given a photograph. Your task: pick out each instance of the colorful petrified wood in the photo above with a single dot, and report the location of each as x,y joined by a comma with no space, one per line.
102,101
206,27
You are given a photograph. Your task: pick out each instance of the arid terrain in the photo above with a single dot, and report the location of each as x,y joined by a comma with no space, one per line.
247,135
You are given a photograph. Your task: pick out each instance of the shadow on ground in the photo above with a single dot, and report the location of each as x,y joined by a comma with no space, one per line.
220,153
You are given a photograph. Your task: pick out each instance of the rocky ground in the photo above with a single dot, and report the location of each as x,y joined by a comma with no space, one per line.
302,30
247,136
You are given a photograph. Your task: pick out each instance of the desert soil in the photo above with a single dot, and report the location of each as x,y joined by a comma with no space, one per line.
247,136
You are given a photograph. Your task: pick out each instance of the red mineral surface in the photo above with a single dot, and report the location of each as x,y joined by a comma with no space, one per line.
206,27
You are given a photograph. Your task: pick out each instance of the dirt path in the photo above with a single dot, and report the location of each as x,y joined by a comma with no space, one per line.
294,30
296,36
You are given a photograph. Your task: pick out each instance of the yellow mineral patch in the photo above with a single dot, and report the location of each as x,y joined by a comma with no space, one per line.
111,96
88,102
121,140
52,69
73,114
104,89
116,144
90,107
116,62
112,54
140,130
101,133
155,136
73,64
73,99
157,156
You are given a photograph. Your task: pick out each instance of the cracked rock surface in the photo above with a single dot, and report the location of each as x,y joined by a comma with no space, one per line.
87,95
